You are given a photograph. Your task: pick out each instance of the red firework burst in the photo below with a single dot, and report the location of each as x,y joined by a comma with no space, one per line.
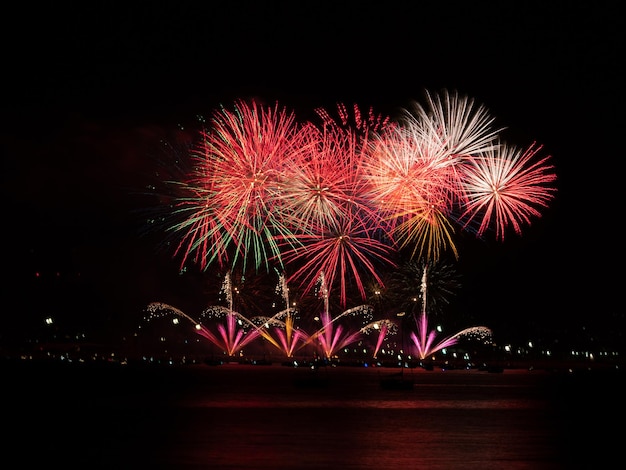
343,252
232,193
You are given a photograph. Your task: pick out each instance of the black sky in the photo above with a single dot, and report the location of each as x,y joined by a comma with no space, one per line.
89,90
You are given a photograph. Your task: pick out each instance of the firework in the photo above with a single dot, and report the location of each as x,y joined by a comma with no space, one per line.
328,204
455,125
413,191
424,340
324,186
280,330
282,334
345,252
228,335
233,331
332,336
406,289
230,198
348,196
507,186
413,169
381,329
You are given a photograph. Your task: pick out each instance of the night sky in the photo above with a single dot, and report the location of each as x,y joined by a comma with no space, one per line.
91,90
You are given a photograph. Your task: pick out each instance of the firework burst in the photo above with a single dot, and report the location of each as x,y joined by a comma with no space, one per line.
344,253
348,196
454,124
324,187
328,202
230,199
413,191
225,327
507,186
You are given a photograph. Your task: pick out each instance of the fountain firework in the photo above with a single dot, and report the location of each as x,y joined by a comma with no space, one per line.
333,335
424,340
231,331
280,330
225,328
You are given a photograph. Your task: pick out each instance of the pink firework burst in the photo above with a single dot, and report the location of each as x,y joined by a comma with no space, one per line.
505,187
225,327
231,195
324,186
333,337
328,204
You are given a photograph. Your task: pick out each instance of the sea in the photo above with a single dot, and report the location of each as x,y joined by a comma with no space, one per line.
277,416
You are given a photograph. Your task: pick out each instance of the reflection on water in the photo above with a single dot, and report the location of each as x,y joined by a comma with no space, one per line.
377,403
252,417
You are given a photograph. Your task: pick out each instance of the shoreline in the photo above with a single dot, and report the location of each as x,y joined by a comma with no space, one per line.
556,367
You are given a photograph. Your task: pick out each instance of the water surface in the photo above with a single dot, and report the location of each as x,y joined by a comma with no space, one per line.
275,417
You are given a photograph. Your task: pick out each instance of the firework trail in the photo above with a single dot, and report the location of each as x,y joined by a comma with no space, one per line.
159,309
